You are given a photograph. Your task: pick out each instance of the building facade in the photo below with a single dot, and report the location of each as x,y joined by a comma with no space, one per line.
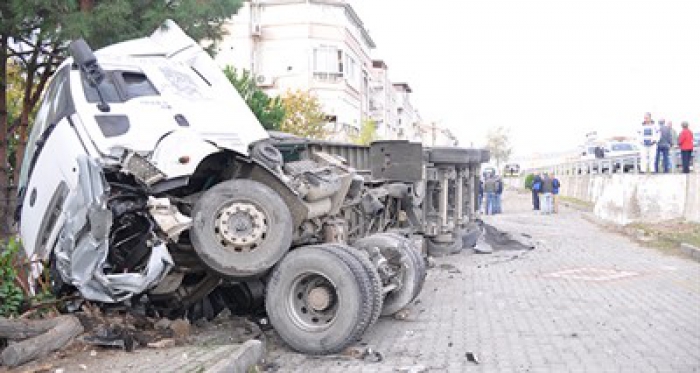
320,46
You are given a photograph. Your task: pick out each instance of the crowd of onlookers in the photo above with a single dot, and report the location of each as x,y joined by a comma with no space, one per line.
545,192
657,140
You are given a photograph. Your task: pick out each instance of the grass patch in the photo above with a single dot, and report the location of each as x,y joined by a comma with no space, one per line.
576,202
668,234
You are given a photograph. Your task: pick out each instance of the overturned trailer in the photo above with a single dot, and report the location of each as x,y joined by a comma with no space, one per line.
431,193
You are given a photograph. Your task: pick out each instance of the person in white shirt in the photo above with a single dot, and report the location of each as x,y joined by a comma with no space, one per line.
648,137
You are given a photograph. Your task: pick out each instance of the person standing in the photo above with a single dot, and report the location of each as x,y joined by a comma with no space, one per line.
685,142
536,186
648,136
663,147
499,195
555,192
490,192
673,153
547,189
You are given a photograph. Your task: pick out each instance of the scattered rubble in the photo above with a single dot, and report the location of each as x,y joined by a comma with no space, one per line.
471,357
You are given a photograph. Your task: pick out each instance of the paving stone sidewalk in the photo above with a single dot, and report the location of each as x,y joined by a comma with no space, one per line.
586,300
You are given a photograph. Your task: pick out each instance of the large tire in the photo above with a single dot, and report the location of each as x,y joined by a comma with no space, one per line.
374,280
438,249
319,300
413,273
241,228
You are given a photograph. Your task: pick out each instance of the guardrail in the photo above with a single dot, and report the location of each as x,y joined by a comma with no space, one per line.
610,165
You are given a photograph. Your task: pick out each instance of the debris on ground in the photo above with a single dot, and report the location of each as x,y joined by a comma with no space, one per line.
449,268
471,357
363,353
413,369
36,338
494,239
403,314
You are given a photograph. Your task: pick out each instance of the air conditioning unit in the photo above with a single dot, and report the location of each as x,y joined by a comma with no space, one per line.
264,81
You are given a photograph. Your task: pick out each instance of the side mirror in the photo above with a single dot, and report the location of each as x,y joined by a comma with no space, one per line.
86,61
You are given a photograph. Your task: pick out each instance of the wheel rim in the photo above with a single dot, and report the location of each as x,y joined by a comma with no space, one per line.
313,302
241,226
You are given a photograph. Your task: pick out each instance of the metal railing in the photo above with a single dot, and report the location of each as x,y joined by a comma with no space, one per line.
611,165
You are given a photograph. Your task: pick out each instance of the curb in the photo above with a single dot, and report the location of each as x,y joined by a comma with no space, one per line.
691,251
248,355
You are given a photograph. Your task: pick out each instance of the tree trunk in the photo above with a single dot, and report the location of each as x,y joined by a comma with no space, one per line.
45,336
4,117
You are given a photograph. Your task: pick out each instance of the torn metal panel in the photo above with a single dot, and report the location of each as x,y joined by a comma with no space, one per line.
83,245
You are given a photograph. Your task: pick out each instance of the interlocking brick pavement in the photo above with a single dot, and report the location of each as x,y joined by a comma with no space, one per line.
586,300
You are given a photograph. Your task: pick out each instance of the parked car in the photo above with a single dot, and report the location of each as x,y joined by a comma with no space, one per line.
625,155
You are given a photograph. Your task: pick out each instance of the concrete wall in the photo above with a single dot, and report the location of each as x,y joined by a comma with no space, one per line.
628,198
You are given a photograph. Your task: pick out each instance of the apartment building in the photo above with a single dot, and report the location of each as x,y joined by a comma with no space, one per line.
383,105
315,45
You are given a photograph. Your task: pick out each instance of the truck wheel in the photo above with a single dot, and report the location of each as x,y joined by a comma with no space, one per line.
401,261
318,300
438,249
374,280
241,228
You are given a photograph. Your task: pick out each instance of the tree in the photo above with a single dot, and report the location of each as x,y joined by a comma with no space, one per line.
303,115
368,133
34,36
498,143
269,111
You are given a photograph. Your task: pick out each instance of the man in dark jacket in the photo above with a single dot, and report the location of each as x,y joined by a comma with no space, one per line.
547,196
536,186
663,147
499,195
490,192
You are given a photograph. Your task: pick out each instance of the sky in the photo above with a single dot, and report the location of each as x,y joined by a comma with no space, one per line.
548,70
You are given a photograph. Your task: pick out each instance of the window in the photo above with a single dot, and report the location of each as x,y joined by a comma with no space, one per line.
56,104
328,63
120,86
107,88
137,85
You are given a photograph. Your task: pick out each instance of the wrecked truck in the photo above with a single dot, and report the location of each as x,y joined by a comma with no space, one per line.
148,183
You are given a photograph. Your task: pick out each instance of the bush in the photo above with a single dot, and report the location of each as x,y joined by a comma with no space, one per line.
11,294
529,179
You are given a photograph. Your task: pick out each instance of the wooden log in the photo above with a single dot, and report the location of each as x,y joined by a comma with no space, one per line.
25,328
64,330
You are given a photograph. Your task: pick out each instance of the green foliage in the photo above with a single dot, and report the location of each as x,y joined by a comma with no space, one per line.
269,111
129,19
368,133
304,115
529,179
11,294
498,142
